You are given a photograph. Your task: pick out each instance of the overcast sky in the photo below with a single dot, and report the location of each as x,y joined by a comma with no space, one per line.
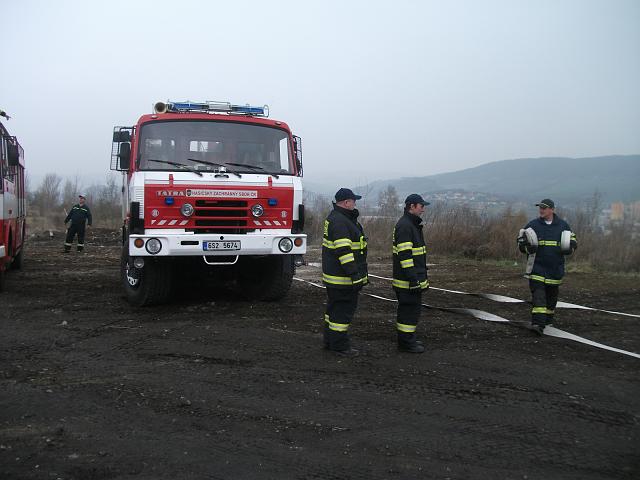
375,89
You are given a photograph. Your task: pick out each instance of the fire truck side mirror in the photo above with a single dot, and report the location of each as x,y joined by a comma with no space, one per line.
122,136
297,146
13,155
124,156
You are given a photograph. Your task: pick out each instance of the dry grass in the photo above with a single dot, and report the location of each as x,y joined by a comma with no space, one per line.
461,231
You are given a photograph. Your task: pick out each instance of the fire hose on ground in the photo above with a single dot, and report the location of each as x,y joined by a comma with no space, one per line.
490,317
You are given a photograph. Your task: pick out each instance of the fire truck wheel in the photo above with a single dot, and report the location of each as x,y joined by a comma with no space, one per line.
1,278
149,285
267,279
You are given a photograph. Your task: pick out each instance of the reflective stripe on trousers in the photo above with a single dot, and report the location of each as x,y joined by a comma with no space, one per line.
405,284
540,278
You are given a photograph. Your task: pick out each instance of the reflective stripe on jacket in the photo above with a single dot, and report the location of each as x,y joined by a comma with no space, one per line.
409,254
344,250
548,267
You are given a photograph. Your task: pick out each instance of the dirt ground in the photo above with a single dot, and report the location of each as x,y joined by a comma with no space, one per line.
214,387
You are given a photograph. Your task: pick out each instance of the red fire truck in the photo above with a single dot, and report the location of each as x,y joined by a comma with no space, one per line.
210,183
12,203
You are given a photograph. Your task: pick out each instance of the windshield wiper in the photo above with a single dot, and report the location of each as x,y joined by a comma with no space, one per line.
252,167
204,162
175,164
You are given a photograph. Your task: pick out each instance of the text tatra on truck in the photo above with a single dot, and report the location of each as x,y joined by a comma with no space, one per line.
212,188
12,203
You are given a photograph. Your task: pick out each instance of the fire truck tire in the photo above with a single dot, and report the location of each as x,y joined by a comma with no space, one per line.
270,279
2,281
150,285
18,261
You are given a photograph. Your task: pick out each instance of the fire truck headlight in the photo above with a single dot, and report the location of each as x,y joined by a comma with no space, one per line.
285,245
153,246
187,210
257,210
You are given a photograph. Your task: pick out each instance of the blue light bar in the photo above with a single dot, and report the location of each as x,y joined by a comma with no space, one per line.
249,109
225,107
195,106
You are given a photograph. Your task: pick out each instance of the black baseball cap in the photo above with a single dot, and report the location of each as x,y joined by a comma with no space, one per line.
415,198
546,203
346,194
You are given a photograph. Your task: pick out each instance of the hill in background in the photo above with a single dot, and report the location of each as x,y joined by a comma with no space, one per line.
568,181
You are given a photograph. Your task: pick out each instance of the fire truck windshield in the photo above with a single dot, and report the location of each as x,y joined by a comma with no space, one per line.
207,145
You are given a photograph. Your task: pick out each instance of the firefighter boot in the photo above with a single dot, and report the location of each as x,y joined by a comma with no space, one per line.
80,248
337,342
549,319
67,248
407,342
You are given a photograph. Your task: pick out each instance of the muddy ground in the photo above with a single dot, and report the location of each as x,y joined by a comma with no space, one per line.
215,387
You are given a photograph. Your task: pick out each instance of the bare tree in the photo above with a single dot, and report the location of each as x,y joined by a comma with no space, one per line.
70,191
47,197
389,202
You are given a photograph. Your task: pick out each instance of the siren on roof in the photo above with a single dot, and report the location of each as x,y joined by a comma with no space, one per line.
211,107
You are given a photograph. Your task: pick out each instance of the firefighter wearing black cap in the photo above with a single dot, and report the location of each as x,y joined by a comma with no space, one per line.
79,215
409,272
546,240
344,270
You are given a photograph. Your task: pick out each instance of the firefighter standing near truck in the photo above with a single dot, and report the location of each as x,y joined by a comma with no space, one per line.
79,215
344,270
409,272
546,240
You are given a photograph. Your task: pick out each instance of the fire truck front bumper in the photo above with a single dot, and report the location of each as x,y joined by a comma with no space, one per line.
167,244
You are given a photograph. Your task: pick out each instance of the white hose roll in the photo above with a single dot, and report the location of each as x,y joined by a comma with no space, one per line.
532,237
565,241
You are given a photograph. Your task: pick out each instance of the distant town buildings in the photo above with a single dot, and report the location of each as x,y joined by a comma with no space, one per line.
621,212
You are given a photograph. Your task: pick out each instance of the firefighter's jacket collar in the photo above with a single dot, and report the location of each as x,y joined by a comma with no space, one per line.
350,214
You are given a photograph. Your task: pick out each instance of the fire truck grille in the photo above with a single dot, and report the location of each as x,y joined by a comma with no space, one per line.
222,216
221,203
219,213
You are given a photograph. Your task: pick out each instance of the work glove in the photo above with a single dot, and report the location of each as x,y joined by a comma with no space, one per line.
414,284
424,289
522,244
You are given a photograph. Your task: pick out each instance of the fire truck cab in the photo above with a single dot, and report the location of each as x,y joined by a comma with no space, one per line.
12,204
211,182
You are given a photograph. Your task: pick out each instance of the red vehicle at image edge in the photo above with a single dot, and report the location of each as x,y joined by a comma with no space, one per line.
12,204
214,188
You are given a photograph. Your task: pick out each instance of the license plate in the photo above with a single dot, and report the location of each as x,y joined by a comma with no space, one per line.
221,245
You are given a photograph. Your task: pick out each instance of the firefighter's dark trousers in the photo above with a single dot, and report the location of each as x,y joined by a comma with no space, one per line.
544,299
341,307
75,229
409,308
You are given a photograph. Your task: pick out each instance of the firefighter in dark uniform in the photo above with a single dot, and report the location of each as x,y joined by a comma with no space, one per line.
546,262
79,215
409,272
344,270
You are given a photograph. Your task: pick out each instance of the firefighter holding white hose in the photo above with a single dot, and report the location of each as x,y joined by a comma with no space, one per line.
546,240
